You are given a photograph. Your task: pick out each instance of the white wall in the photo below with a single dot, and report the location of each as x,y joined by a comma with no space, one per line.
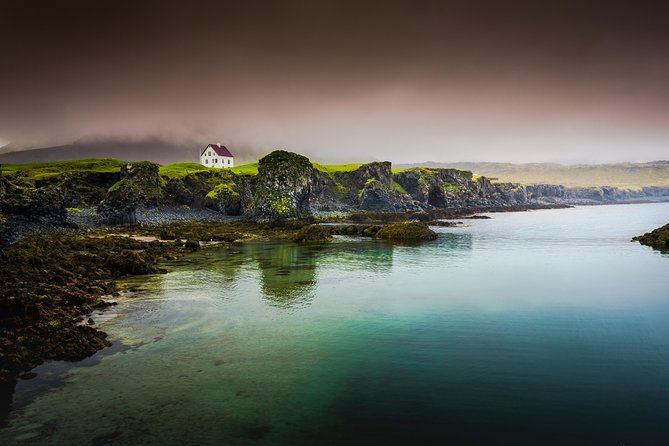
210,159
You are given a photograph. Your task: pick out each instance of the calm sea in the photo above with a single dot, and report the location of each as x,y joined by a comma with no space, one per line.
542,327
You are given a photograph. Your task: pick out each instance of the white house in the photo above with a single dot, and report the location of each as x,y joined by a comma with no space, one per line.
216,155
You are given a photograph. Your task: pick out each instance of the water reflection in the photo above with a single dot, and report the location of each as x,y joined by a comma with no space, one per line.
287,272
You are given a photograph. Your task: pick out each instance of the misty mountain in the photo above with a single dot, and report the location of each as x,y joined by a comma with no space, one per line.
156,150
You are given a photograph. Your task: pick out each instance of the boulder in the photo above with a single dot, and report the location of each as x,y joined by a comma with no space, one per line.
282,187
406,231
312,234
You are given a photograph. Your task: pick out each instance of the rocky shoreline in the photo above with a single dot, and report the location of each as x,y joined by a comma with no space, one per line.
62,249
283,185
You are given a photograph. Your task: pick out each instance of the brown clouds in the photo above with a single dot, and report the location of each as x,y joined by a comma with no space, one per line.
497,80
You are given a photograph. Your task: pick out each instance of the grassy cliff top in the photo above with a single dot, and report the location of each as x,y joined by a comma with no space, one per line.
38,171
178,170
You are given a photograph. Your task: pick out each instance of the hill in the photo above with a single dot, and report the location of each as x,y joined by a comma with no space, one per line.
153,149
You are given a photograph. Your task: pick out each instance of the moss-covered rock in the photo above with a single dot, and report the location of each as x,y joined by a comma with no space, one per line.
43,204
658,238
313,234
379,196
406,231
139,186
226,198
283,187
435,187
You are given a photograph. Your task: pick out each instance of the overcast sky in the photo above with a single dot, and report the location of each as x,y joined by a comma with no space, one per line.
407,81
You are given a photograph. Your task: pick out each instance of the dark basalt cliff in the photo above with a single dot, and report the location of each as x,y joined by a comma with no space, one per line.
286,185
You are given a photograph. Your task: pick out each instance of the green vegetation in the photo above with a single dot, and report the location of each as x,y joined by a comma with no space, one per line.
398,187
180,170
40,171
224,188
451,187
332,168
406,231
658,238
246,169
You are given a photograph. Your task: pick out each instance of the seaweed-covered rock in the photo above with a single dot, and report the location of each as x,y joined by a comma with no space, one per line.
658,238
283,187
44,204
313,234
139,186
406,231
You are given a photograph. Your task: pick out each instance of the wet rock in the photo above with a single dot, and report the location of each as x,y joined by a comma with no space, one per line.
313,234
658,238
406,231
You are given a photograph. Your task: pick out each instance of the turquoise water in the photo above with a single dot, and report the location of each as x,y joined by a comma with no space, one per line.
543,327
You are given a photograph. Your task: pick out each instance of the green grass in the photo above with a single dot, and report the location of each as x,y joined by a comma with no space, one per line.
180,170
38,171
246,169
332,168
398,187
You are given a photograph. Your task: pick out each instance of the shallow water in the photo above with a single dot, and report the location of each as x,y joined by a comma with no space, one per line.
543,327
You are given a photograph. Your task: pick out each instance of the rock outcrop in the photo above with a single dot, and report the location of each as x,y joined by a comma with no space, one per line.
658,238
139,186
40,205
282,187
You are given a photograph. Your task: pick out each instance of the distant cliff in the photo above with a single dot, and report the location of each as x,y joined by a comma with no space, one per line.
622,175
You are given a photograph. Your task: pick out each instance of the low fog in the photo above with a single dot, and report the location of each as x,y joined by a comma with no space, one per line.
570,82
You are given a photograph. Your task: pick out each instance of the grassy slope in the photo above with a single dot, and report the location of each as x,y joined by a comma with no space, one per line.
178,170
624,175
37,171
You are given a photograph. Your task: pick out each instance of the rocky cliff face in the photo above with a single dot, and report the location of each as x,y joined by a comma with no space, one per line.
282,187
36,204
287,185
139,186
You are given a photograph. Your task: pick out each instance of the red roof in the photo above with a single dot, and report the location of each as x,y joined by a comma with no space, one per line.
220,150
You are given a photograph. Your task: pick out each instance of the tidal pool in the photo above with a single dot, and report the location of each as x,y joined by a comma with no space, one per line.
543,327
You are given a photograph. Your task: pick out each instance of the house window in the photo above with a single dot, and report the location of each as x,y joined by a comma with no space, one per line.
228,161
206,161
215,160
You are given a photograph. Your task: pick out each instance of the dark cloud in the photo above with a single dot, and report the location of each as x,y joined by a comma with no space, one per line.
402,80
